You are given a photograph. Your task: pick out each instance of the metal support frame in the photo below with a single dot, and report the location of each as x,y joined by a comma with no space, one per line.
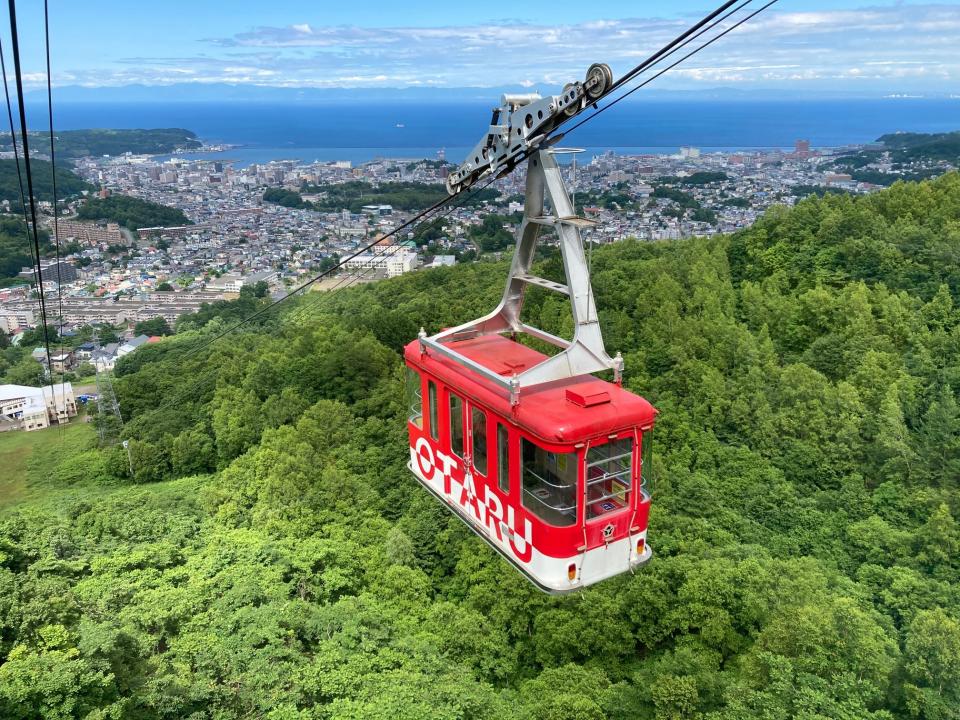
582,355
106,399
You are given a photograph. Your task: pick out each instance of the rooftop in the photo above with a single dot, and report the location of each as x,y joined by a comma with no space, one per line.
565,411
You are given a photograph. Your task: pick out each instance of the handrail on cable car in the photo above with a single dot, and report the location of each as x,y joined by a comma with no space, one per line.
610,459
617,495
610,476
559,509
547,482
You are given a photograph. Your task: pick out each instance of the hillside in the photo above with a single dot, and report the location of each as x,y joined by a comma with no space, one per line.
15,250
273,558
69,184
353,195
911,156
70,144
922,146
131,212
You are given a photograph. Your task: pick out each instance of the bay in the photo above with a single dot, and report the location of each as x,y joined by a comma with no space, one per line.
367,130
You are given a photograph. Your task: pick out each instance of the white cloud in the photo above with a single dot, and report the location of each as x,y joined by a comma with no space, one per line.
877,46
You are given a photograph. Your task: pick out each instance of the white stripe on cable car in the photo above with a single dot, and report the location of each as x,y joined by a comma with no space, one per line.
597,564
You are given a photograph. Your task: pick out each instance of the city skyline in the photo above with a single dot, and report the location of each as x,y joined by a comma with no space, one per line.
855,47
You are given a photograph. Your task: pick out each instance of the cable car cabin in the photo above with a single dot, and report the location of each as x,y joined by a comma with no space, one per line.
554,482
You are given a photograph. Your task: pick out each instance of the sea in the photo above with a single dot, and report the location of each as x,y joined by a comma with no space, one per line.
359,132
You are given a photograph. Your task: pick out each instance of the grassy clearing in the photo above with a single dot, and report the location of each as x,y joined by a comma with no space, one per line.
26,456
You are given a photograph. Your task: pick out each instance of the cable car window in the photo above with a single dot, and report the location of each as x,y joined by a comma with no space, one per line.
646,459
609,477
549,484
479,433
415,398
432,401
456,425
503,459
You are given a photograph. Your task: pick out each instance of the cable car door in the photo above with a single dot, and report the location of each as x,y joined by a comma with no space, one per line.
477,462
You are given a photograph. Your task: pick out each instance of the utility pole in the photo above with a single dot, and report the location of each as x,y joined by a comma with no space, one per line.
107,405
126,446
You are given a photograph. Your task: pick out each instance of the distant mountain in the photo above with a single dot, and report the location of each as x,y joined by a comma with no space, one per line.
223,92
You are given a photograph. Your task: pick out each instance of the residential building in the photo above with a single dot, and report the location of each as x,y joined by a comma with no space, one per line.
49,272
105,358
90,233
130,345
62,362
392,263
12,320
233,282
443,261
34,408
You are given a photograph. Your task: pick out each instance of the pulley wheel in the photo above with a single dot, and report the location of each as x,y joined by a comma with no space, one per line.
571,102
601,76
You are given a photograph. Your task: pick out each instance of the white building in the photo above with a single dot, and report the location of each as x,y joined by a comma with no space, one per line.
379,210
232,282
33,408
392,263
12,320
228,282
106,357
130,345
443,261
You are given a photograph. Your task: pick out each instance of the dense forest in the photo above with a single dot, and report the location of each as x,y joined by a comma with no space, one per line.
69,184
15,245
903,149
271,556
353,195
131,212
71,144
905,146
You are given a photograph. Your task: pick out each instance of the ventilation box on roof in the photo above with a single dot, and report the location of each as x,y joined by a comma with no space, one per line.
587,399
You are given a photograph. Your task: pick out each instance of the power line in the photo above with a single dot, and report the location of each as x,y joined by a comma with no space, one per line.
192,389
16,158
56,212
705,45
15,48
56,207
393,249
670,47
325,273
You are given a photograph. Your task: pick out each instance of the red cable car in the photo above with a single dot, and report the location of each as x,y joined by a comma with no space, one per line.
536,455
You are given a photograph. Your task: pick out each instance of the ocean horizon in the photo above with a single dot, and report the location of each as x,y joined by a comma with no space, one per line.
365,131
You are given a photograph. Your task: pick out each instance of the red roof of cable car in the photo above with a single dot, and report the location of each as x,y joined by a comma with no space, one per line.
566,411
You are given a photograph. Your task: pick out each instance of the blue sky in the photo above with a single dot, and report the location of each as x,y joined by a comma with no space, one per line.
885,47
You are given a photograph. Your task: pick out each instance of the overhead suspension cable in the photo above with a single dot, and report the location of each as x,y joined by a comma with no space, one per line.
16,158
56,209
649,80
15,49
391,250
436,206
704,26
192,390
701,28
669,48
708,23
